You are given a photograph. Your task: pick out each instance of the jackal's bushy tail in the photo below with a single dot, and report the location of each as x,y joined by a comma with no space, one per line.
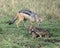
12,20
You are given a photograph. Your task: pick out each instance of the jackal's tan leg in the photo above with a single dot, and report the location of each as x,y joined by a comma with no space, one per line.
18,23
20,18
24,24
40,35
33,35
31,24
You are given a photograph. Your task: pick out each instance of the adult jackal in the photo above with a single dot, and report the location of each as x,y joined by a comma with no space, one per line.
25,15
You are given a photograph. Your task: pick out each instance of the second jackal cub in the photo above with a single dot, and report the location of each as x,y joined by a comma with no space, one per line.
38,32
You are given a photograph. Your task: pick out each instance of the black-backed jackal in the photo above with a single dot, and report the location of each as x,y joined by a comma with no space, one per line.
25,15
